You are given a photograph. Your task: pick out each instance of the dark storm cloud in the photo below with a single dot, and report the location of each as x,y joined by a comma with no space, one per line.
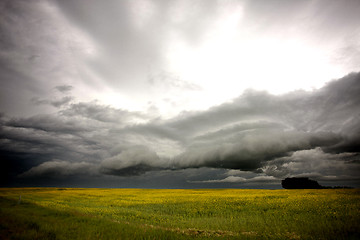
57,168
336,109
249,150
258,127
55,54
79,133
248,133
48,123
328,118
298,133
39,142
132,161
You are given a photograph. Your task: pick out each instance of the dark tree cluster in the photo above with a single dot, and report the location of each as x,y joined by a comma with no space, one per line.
300,183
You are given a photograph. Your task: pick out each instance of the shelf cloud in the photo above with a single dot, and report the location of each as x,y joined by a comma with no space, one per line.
298,133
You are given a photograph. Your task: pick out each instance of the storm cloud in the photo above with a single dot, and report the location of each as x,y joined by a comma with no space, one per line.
179,93
312,133
60,168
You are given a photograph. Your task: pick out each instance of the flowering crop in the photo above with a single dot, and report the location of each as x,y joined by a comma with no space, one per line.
219,213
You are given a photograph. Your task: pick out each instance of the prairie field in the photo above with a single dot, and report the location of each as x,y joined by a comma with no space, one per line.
73,213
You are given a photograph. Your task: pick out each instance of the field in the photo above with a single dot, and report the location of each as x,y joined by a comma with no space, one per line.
54,213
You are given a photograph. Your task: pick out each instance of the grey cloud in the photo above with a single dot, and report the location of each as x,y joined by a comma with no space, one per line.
37,142
63,101
134,170
55,103
330,109
316,164
239,128
132,161
113,25
188,126
169,80
231,179
121,44
330,20
64,88
46,137
38,50
249,150
43,41
16,89
48,123
58,168
231,136
80,136
38,101
237,179
107,114
289,123
109,24
350,53
154,129
327,118
335,108
256,132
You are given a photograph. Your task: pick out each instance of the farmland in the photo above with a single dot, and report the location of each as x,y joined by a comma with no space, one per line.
69,213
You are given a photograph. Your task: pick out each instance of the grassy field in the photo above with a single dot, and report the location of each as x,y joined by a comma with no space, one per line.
52,213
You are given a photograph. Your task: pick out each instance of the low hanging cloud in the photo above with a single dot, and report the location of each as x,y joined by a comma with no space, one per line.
249,149
315,163
296,134
133,161
58,168
237,179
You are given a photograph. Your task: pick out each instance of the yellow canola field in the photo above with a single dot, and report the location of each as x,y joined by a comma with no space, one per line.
272,214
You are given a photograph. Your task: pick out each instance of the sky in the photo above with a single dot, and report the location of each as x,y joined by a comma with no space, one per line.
179,93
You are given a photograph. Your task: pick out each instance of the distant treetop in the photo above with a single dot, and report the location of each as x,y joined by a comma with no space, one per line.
300,183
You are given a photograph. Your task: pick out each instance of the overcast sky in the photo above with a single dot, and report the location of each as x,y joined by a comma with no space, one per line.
179,93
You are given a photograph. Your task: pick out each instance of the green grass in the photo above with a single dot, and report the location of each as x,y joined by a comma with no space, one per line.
50,213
